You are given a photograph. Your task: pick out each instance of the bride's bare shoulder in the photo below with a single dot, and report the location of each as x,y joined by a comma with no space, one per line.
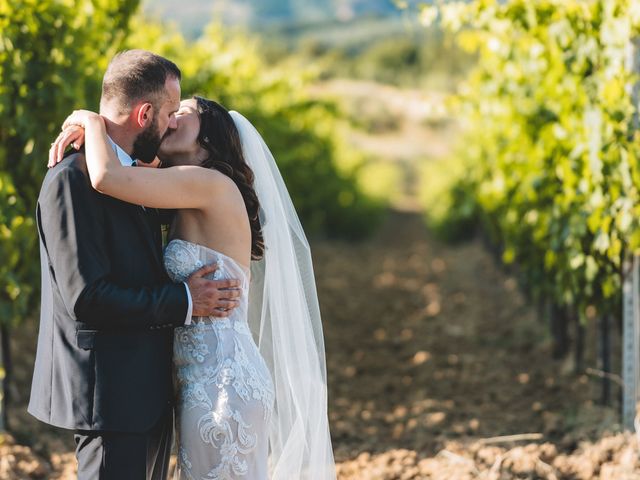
218,185
205,176
223,181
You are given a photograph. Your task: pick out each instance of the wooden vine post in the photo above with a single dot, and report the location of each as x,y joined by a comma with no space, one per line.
631,289
630,339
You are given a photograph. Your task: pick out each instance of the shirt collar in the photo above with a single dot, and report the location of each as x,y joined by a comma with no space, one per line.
123,156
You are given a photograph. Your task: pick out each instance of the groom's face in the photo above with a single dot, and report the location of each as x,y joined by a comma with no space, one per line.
163,121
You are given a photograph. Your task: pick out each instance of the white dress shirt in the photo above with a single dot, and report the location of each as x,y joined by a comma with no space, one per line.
127,161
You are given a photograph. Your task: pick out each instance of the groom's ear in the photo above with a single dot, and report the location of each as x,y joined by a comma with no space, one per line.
143,114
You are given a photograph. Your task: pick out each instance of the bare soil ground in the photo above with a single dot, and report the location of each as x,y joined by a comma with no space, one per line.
440,370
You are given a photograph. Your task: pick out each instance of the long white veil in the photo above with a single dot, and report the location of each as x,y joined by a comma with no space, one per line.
284,317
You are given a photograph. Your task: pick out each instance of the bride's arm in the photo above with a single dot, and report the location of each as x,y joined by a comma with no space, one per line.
175,187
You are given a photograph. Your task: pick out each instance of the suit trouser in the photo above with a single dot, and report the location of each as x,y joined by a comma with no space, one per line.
126,456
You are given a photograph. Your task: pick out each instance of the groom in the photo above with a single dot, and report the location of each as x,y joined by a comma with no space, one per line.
103,361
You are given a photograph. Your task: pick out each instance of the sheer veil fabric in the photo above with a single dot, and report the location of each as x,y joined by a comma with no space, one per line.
284,317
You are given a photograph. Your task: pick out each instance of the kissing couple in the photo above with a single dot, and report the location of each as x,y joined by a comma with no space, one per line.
220,327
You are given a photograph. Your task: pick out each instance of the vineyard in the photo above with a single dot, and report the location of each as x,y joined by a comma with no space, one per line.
551,158
476,234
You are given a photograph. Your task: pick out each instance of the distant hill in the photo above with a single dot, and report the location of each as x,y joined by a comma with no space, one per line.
193,15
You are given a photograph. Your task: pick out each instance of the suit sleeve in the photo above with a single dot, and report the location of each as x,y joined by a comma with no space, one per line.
74,237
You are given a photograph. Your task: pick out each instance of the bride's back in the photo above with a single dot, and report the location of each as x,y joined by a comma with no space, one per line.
222,226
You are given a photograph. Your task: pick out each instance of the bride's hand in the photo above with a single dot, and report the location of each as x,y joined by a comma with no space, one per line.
72,133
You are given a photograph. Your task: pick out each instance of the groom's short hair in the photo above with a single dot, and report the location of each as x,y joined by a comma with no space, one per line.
137,75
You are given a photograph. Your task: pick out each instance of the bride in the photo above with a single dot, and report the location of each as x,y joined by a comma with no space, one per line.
251,388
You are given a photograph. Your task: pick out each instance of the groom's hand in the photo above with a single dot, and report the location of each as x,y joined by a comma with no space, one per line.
216,298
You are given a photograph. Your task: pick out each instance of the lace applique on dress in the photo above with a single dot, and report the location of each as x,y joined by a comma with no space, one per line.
181,259
224,388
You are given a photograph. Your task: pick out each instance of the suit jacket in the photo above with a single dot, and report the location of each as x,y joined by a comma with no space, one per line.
103,360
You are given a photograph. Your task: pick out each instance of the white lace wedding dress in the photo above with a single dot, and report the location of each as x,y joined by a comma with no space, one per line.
225,392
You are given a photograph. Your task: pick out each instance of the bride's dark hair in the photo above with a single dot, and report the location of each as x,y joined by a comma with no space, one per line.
220,138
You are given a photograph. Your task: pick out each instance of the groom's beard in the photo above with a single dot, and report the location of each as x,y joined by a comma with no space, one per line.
147,143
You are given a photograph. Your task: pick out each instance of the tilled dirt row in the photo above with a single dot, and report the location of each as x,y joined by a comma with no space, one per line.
433,353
